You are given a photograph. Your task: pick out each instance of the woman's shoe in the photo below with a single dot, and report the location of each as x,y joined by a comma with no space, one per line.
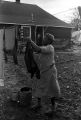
61,100
36,107
50,113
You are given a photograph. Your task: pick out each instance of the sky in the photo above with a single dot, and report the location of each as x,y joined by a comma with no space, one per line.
60,8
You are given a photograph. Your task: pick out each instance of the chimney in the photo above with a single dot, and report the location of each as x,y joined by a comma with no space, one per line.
18,1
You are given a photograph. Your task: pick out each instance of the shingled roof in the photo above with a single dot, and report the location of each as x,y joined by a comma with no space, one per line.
20,13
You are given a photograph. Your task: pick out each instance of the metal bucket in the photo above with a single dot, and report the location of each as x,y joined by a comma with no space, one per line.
25,96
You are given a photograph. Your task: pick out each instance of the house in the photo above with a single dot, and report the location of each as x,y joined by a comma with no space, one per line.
33,19
28,21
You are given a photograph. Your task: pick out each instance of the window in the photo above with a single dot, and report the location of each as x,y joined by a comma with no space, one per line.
25,32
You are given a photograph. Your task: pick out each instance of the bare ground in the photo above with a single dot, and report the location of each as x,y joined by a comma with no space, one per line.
69,76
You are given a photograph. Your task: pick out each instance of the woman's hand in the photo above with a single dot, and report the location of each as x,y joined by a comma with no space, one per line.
35,47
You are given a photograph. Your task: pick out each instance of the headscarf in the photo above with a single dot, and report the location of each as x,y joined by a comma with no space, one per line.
50,38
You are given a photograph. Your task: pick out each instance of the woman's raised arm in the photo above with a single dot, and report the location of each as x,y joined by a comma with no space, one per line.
35,47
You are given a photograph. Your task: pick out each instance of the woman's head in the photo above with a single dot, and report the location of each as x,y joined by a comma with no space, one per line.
48,39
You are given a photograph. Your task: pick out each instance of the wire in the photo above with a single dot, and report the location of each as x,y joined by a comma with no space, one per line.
64,11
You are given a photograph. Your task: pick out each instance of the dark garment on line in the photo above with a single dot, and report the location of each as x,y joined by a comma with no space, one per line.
30,62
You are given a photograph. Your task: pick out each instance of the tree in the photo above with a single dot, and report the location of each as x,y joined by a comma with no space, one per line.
75,19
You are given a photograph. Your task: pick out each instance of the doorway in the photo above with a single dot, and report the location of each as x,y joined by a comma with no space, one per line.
39,36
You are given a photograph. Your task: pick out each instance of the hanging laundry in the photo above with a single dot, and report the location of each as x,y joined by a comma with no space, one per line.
30,62
9,38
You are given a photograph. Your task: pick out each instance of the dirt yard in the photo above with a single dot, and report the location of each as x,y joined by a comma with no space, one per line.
69,76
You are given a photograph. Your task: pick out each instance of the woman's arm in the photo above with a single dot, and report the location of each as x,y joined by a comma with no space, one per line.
35,47
41,49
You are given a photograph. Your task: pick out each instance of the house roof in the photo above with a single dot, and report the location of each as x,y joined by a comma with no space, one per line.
27,14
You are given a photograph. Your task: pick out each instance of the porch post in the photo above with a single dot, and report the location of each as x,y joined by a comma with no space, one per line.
35,34
43,32
15,49
4,47
1,58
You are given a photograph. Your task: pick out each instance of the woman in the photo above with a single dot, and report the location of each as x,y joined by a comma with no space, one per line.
48,84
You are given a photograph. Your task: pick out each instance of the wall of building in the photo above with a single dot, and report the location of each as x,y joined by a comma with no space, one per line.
59,32
62,36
